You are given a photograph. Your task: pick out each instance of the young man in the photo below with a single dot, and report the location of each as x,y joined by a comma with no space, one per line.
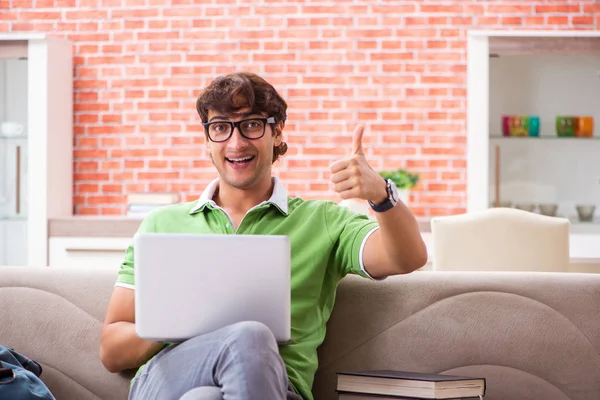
244,118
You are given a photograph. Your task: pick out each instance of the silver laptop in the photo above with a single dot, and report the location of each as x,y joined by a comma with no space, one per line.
190,284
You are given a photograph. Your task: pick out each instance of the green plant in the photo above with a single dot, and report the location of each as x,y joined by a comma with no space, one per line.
401,177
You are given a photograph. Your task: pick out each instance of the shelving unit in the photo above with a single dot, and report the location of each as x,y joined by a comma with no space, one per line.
36,143
544,74
533,73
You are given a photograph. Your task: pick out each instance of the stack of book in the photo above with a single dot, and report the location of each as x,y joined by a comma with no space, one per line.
140,204
395,385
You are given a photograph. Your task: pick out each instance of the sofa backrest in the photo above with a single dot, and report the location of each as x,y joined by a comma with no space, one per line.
532,335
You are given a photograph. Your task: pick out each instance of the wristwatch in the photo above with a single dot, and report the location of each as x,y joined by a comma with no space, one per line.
391,200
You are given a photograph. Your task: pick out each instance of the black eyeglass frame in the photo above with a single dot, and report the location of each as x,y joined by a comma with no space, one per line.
265,121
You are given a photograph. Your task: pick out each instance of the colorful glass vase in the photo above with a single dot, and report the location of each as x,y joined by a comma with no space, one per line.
534,126
584,127
565,126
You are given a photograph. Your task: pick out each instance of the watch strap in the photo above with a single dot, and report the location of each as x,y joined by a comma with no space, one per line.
387,204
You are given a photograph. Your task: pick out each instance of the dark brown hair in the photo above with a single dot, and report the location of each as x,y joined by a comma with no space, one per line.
227,94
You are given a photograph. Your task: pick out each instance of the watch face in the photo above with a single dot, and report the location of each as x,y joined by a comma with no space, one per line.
393,191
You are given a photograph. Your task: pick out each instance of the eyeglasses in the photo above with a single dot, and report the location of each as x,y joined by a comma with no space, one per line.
253,128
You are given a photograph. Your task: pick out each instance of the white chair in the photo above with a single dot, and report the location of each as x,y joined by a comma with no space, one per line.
500,239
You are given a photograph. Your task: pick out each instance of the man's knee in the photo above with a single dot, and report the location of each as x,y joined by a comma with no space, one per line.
251,335
203,393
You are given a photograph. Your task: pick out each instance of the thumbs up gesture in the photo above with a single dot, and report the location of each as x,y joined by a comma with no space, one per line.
353,178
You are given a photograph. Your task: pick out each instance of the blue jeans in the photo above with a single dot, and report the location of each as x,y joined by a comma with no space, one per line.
240,361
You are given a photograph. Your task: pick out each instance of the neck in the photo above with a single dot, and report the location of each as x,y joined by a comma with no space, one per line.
241,200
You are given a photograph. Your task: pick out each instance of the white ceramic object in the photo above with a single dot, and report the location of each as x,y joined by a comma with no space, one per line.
586,212
548,209
11,129
525,207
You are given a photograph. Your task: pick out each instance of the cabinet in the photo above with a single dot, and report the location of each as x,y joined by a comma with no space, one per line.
36,143
88,252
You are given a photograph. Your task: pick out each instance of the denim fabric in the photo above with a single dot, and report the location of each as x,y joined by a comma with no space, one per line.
238,362
19,377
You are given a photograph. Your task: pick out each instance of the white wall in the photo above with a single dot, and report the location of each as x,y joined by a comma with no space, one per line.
555,170
546,86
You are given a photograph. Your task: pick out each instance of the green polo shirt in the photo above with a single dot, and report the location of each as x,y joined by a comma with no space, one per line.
326,240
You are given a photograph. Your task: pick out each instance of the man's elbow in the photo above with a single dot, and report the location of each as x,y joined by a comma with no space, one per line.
108,354
108,361
417,259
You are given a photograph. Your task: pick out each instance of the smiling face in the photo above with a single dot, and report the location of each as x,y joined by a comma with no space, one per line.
241,162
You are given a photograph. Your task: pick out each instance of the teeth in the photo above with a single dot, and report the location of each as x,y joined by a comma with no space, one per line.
240,159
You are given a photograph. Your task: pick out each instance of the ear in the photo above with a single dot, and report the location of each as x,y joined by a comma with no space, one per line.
206,147
278,133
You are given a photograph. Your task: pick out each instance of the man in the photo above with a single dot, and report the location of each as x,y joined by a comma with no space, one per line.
244,118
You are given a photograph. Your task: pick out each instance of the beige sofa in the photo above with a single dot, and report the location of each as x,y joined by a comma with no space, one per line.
532,335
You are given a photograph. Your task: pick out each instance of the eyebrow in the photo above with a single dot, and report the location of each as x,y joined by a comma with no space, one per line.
244,115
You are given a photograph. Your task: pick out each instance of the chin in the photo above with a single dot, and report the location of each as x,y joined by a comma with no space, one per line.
240,182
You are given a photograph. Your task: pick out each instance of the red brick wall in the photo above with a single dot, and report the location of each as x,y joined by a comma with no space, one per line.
399,67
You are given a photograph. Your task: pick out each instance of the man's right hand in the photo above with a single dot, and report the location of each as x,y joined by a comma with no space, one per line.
121,348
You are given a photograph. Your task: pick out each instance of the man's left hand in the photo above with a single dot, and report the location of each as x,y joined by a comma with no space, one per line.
353,178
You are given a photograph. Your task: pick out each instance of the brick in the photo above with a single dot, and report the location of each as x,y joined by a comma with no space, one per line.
132,164
112,118
111,141
87,96
16,27
558,20
111,166
91,176
84,142
104,199
112,188
556,8
39,15
508,9
582,20
394,9
90,153
442,8
90,14
511,21
139,13
157,35
87,210
87,188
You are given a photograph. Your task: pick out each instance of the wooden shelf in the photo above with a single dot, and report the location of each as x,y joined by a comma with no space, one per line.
544,137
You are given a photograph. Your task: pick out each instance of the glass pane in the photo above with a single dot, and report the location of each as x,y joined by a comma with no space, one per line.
13,161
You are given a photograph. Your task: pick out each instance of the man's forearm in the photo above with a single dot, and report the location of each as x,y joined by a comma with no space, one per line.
401,238
123,349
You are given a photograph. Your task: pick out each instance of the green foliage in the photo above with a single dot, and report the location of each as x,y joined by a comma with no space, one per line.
402,178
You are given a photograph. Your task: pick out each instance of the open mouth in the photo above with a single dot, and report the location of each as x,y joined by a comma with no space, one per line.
240,160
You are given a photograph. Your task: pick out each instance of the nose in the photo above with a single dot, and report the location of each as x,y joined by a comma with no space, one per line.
236,140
